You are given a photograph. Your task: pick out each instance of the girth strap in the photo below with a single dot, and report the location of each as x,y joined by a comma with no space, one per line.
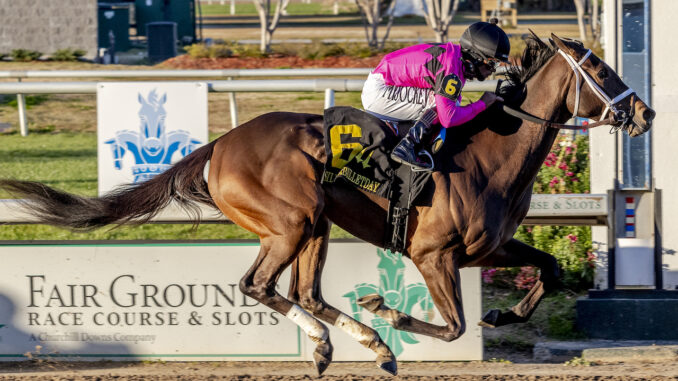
406,185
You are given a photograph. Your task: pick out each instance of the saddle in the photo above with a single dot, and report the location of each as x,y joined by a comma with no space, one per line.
358,147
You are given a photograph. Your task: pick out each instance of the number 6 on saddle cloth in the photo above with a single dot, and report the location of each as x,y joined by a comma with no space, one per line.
358,146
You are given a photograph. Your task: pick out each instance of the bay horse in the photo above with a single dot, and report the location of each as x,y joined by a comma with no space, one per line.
265,176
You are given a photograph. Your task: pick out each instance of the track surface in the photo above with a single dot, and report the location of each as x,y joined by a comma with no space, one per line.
282,371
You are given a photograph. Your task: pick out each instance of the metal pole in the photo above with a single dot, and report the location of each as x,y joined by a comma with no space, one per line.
611,240
329,98
23,122
233,107
658,244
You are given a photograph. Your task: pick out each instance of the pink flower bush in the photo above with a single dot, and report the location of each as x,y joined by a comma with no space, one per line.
487,275
554,181
565,167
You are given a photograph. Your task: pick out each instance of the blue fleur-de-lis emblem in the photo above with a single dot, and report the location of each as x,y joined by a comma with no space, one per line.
151,147
396,295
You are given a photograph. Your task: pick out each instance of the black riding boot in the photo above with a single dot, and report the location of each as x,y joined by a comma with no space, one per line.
410,150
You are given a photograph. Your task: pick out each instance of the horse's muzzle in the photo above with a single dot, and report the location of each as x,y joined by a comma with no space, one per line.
642,119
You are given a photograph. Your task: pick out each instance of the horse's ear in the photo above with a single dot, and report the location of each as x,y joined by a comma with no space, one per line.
141,99
163,99
562,45
536,38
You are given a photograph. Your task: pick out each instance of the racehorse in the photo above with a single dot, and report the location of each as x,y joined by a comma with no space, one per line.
265,176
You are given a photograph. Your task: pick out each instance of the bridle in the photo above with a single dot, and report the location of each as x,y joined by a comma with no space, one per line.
579,72
615,118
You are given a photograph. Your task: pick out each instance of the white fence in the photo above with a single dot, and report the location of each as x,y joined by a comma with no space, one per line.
329,86
558,209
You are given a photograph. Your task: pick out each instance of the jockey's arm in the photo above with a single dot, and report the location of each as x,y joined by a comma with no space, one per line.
451,114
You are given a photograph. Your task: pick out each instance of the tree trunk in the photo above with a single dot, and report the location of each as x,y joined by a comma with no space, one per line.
580,5
439,17
595,24
371,13
268,24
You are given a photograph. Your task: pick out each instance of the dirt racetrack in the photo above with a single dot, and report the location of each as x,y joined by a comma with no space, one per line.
283,371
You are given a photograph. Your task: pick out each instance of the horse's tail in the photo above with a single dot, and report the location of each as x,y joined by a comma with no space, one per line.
133,203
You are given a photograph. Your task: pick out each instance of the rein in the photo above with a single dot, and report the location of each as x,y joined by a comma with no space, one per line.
548,123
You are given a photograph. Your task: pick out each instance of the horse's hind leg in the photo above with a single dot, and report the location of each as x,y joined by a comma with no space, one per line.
259,283
281,203
305,290
513,254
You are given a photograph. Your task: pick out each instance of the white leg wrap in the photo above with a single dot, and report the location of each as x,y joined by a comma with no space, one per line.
313,328
354,329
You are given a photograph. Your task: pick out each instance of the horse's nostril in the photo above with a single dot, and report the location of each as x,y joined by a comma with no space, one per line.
648,115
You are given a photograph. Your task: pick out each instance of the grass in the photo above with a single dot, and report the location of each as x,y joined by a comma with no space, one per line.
63,160
553,319
67,160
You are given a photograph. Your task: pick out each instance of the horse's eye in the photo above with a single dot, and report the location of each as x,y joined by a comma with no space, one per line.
602,74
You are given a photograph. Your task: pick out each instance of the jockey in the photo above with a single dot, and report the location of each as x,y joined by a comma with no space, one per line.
424,82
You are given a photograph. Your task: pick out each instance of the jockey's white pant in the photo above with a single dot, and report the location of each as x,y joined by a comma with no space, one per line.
395,102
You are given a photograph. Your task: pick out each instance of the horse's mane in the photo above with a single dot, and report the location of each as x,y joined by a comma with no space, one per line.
535,55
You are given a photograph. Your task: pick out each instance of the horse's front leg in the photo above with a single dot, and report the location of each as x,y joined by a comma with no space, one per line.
441,273
514,254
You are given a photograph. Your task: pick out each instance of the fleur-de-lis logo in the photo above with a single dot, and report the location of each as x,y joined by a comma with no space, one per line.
396,295
152,147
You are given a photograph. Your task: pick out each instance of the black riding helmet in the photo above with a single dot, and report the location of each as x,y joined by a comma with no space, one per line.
483,40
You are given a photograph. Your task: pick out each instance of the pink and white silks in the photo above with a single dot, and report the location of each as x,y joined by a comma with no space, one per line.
403,85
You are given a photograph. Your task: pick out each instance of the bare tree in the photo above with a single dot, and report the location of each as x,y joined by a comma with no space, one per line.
439,16
595,22
268,22
581,10
593,13
372,12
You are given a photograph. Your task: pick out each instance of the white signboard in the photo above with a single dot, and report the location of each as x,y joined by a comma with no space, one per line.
568,205
182,302
144,127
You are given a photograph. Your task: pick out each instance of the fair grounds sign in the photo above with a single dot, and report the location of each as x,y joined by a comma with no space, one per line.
170,301
182,302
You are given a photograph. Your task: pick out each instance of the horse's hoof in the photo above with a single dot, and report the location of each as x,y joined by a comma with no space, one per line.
388,364
490,319
322,357
371,302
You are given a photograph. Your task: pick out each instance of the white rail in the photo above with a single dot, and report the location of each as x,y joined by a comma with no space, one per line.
545,209
225,73
279,85
329,86
222,73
